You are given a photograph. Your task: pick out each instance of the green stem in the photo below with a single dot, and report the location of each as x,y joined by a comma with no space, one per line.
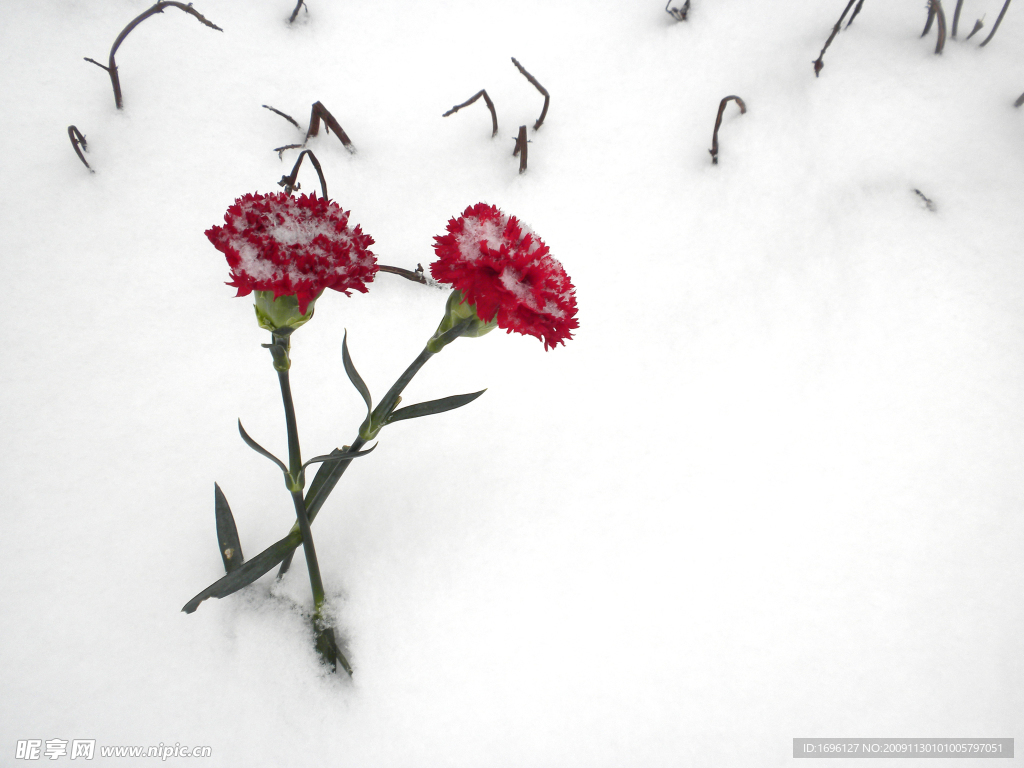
318,501
387,405
375,423
315,581
325,642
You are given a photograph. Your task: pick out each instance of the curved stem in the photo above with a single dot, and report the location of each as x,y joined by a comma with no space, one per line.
111,67
999,20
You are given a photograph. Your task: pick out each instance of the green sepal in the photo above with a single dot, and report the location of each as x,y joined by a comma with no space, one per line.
248,572
259,448
440,341
431,407
227,533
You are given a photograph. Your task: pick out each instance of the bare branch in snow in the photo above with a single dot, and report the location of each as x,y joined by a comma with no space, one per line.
718,123
318,113
520,149
487,101
995,26
539,87
289,118
111,68
679,14
819,63
290,182
79,143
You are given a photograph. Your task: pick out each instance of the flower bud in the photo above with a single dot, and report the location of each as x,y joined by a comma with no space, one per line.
456,311
282,312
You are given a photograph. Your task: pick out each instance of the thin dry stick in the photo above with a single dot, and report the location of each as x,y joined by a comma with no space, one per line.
539,87
977,28
280,150
416,276
996,25
520,149
487,101
718,123
1019,101
289,118
853,15
931,18
942,25
956,17
928,203
290,182
296,11
158,8
318,113
818,63
679,14
79,143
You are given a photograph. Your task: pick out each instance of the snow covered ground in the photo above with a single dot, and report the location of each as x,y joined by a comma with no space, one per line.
772,489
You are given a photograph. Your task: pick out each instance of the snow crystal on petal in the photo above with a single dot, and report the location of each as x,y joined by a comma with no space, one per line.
504,268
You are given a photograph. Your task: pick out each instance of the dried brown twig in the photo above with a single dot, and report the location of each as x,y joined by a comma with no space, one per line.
416,276
819,63
79,143
539,87
928,203
977,28
931,18
995,26
956,18
853,15
935,10
487,101
679,14
318,113
520,149
290,182
718,123
158,8
295,13
289,118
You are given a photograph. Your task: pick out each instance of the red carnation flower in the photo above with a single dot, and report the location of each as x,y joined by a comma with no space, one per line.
504,269
293,246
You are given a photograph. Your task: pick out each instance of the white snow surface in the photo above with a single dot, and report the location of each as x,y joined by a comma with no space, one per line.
771,489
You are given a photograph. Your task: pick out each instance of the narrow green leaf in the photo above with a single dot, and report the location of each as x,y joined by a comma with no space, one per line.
433,406
227,533
384,408
332,456
324,480
323,483
248,572
354,377
259,448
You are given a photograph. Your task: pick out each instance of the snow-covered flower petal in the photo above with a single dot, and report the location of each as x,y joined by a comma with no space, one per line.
505,269
293,246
